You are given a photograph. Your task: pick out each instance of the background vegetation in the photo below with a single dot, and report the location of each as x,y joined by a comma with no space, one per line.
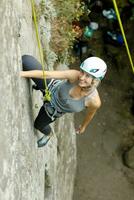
63,34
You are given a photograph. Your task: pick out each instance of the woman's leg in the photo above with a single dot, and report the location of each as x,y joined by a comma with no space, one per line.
42,122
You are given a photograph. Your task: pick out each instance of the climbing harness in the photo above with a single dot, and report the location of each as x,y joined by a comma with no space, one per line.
52,112
123,34
47,96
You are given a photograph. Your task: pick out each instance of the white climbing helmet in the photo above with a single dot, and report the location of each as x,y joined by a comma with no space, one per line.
94,66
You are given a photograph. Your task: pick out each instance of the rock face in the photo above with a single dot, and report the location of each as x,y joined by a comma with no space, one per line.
130,158
28,172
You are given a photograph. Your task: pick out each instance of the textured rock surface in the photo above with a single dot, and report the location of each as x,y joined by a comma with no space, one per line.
130,158
28,172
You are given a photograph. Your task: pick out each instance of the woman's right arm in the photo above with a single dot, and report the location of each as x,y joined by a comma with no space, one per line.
66,74
32,74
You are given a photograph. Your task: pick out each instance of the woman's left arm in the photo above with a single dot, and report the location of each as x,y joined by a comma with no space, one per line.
92,107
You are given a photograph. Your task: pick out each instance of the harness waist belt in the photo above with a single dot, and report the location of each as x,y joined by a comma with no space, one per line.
51,111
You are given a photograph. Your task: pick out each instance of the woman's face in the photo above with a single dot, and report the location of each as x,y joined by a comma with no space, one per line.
85,79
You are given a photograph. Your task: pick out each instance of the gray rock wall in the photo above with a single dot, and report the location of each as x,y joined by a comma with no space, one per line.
28,172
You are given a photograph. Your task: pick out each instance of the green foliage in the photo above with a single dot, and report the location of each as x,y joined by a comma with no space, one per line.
62,13
44,9
69,9
63,34
131,1
132,17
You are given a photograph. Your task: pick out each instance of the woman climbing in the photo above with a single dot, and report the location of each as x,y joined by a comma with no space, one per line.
71,91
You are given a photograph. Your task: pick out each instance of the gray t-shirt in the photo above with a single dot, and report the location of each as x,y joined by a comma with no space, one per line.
62,102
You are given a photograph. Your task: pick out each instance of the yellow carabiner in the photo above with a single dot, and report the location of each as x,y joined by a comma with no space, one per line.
47,96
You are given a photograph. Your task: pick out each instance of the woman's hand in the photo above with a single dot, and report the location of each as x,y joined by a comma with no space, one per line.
80,130
21,73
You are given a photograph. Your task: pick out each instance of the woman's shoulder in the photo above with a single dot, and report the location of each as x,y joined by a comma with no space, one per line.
93,100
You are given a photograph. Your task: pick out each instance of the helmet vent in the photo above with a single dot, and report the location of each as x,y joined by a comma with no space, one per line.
94,70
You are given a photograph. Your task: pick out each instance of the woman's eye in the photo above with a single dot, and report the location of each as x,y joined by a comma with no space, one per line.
88,76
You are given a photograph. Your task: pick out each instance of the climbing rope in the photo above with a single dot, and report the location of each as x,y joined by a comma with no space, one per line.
47,96
123,34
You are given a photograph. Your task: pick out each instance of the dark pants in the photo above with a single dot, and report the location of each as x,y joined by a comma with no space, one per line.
43,120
